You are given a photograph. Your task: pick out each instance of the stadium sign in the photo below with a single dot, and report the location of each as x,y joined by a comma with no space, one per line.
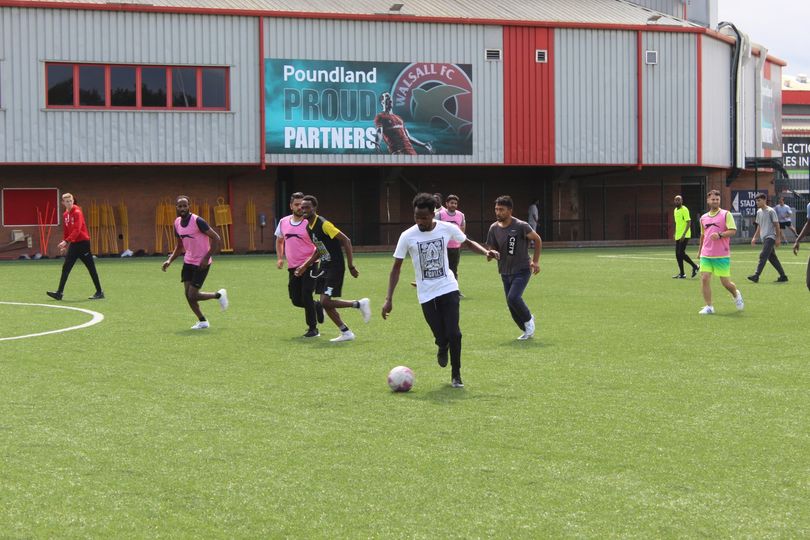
796,155
744,202
335,107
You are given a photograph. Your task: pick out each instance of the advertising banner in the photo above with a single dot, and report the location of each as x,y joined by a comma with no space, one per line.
745,202
796,156
335,107
771,120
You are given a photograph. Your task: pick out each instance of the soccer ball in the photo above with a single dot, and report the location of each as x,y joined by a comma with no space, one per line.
400,379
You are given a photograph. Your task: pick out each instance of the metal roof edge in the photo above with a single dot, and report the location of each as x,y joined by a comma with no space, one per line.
149,8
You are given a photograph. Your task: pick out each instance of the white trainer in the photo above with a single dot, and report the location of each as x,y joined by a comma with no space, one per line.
223,299
348,335
201,325
365,308
528,328
738,301
707,310
523,337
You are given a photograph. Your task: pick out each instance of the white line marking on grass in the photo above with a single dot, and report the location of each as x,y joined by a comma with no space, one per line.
97,318
733,260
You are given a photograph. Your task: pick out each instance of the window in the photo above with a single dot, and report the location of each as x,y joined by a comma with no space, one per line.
60,85
184,87
91,86
123,84
214,90
100,86
153,87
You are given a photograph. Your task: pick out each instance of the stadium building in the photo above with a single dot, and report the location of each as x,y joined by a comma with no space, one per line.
601,109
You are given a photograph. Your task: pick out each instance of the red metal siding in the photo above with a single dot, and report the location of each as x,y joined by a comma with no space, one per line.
528,94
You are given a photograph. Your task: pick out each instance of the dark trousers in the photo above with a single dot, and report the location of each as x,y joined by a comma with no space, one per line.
680,254
808,274
81,251
301,289
767,254
442,316
513,287
454,255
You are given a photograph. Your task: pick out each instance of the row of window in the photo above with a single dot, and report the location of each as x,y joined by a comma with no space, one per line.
136,87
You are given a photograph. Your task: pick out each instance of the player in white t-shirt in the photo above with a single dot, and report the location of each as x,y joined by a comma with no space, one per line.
436,286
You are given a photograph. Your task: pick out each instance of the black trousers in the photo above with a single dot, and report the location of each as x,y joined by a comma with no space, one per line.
680,254
81,251
454,255
301,289
442,316
808,274
768,254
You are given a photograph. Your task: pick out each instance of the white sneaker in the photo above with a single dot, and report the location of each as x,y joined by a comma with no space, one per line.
365,308
528,328
707,310
738,301
348,335
223,299
201,325
523,337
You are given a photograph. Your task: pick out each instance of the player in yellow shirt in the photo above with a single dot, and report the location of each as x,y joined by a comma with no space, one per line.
683,232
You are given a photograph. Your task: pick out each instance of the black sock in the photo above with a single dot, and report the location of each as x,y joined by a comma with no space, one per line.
202,319
355,304
344,328
217,296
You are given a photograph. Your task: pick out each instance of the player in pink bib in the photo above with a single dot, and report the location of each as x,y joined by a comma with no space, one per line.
294,243
716,228
198,241
451,214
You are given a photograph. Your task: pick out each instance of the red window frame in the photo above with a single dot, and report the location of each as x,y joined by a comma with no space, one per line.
138,97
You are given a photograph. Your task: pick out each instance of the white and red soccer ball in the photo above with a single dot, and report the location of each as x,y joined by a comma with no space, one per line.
400,379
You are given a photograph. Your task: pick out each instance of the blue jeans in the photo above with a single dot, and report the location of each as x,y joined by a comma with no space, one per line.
513,287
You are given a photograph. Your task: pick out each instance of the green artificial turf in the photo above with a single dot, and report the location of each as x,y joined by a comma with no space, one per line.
628,415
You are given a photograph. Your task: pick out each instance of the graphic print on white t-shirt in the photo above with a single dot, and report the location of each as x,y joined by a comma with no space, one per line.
431,258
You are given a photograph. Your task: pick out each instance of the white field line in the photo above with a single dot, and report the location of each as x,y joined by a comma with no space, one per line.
733,259
97,318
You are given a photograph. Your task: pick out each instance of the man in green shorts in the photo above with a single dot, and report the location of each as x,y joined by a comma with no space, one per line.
716,228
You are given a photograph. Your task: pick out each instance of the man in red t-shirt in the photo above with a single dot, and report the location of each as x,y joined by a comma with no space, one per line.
391,129
76,245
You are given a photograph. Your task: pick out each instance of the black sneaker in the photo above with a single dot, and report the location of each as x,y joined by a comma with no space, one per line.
782,279
456,383
679,276
55,295
319,311
441,357
695,271
98,296
754,278
313,332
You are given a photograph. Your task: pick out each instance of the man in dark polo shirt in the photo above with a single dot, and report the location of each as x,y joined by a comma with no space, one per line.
510,237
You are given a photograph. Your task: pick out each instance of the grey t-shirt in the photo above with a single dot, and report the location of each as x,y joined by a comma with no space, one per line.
784,212
512,244
765,218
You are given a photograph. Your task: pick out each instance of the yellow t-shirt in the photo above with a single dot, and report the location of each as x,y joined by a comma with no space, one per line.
681,217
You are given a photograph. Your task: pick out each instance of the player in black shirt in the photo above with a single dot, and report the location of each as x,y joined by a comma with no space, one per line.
330,244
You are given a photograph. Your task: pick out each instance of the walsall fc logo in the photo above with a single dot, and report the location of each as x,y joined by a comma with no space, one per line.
438,95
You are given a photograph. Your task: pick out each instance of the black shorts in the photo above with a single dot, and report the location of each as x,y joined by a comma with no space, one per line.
194,274
784,224
330,280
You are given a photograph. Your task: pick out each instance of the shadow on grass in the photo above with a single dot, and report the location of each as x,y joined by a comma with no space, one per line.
529,344
190,332
442,394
